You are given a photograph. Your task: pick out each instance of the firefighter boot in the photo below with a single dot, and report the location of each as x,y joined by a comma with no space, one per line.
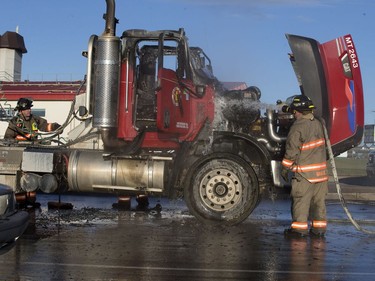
318,228
317,233
124,203
291,233
142,201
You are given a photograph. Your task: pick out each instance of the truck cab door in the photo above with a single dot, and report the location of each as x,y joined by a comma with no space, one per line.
183,106
172,96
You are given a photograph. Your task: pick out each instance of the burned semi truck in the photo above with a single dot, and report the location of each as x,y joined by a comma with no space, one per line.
154,120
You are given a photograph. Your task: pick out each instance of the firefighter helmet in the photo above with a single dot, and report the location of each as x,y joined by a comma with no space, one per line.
23,104
302,103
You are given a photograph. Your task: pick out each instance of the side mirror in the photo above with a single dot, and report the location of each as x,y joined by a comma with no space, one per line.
82,111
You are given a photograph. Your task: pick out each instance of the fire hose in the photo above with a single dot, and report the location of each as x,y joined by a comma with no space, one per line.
338,188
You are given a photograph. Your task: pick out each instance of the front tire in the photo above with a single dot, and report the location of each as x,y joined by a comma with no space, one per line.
221,189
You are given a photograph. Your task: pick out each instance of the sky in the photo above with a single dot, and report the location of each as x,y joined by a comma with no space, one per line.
245,39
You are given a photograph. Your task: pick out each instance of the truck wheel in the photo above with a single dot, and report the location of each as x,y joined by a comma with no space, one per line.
221,189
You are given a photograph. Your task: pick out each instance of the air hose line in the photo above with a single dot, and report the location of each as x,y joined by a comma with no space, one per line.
338,188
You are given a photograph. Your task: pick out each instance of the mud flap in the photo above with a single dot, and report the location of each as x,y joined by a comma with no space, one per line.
330,75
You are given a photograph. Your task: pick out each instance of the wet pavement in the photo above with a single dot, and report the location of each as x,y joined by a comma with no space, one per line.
95,242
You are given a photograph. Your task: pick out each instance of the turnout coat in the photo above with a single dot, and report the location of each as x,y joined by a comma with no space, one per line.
305,153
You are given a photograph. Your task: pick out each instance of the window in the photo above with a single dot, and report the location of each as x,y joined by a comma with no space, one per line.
39,112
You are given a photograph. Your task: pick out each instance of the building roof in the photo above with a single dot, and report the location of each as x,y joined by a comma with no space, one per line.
12,40
50,91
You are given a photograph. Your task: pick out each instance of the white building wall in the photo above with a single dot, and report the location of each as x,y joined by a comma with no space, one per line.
10,65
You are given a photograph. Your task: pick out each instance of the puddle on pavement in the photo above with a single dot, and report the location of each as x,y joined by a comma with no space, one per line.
45,222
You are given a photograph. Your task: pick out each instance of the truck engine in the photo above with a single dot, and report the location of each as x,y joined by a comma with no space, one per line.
154,120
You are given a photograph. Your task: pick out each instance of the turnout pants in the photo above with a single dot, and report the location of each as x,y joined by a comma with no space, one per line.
308,203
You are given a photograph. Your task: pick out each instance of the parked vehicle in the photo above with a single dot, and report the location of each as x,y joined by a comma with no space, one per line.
370,166
13,222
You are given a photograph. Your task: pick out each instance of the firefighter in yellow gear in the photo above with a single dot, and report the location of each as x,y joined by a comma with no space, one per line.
305,158
25,126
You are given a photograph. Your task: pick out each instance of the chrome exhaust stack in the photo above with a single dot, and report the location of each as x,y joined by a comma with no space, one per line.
103,80
107,73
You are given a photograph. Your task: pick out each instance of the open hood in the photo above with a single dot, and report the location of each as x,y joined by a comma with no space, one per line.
330,75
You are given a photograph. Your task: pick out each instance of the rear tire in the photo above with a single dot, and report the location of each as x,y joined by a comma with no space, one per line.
221,189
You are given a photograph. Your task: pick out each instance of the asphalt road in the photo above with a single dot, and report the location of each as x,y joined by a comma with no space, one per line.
95,242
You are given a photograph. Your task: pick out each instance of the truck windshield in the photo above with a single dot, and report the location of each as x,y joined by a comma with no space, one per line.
201,63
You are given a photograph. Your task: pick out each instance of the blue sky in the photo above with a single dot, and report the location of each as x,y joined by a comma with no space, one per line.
245,39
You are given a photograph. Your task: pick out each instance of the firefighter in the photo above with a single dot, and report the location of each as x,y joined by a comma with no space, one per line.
25,126
305,158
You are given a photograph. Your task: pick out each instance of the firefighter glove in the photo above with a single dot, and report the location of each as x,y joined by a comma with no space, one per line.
55,126
284,174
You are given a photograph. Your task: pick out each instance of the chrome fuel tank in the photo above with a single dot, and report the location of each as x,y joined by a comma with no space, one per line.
93,171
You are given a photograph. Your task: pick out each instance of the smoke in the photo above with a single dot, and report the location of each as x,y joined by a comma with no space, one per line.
219,123
235,115
240,112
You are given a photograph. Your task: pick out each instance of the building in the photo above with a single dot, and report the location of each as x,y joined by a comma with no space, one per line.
12,47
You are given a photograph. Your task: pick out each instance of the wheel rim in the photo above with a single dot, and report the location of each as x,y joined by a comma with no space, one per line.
220,190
